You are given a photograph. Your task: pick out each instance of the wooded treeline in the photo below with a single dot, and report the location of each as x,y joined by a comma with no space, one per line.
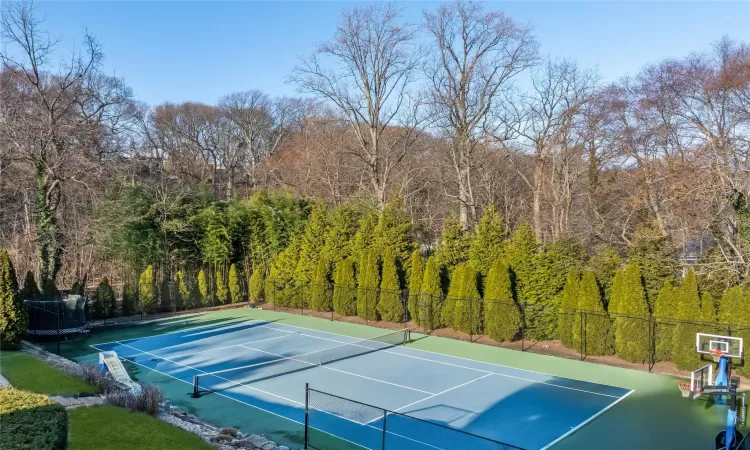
404,131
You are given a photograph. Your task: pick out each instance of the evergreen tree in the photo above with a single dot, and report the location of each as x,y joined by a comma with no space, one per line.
184,295
222,290
617,291
107,297
502,318
14,318
311,244
257,285
605,263
30,289
568,311
203,289
467,315
708,310
280,285
631,333
393,231
416,273
166,296
147,290
96,306
235,287
390,307
431,301
344,290
368,281
448,312
596,323
735,310
689,309
453,248
651,251
364,238
321,292
665,311
340,234
77,288
129,299
488,243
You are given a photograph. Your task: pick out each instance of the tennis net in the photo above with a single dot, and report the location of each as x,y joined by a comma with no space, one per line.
253,373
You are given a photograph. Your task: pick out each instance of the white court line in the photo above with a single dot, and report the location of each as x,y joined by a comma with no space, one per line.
228,346
198,327
577,427
457,357
336,370
235,399
265,410
442,392
460,366
208,373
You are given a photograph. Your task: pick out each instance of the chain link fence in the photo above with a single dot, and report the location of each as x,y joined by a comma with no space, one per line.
505,322
333,422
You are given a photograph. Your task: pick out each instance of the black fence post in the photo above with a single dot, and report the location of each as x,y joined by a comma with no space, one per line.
424,312
307,412
582,333
471,320
58,333
651,344
273,290
523,326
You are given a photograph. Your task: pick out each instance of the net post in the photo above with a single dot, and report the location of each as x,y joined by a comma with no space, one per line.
196,388
307,412
385,422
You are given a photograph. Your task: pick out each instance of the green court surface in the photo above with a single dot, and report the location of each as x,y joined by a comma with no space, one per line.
654,415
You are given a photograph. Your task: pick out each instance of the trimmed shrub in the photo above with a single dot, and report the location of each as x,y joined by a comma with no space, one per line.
14,318
502,316
431,301
31,421
568,314
235,287
311,244
453,248
390,307
617,292
106,298
344,292
204,292
708,308
320,295
735,309
183,294
665,308
147,290
30,289
605,263
689,309
467,316
367,286
222,290
416,273
257,284
631,333
596,326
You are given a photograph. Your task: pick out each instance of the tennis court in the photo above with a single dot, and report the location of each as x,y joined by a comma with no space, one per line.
241,361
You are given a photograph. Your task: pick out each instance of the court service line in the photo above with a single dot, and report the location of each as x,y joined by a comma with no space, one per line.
225,347
460,366
459,357
209,373
238,400
338,370
577,427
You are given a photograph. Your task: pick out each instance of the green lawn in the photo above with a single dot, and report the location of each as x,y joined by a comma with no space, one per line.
113,428
25,372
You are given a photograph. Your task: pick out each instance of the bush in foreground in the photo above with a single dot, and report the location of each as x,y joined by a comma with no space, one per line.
31,421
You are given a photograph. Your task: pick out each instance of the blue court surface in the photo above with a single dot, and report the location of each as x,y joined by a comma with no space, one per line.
523,408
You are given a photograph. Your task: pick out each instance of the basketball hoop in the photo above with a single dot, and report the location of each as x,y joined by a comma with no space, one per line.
716,354
684,388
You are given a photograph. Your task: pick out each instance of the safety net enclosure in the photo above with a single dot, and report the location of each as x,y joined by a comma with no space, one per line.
62,316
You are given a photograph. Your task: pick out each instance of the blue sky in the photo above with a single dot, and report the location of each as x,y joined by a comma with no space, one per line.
199,51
